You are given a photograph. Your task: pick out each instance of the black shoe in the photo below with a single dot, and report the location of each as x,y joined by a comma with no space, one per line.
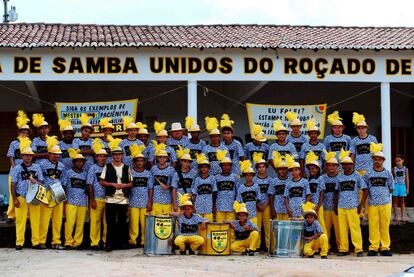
95,248
68,247
43,246
191,252
341,254
360,254
19,247
58,247
251,253
324,257
108,248
386,253
37,247
182,252
372,253
311,256
10,221
245,253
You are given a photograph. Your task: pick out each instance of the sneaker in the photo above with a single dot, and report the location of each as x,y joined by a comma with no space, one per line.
341,254
68,247
372,253
37,247
386,253
360,254
324,257
43,246
182,252
58,247
95,248
311,256
191,252
10,221
19,247
251,253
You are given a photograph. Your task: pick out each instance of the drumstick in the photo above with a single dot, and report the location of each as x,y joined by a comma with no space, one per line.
159,182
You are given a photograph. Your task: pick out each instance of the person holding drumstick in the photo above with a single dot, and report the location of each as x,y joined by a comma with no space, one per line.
52,171
188,226
22,176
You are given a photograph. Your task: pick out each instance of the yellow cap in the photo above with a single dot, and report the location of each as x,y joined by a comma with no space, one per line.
202,159
222,157
25,149
309,208
258,158
359,120
212,126
278,160
240,208
344,157
52,145
22,121
160,149
246,167
226,122
278,126
98,147
38,120
185,200
311,125
106,124
258,134
293,119
334,119
136,151
159,128
65,125
75,154
312,159
84,119
330,157
183,154
376,150
291,163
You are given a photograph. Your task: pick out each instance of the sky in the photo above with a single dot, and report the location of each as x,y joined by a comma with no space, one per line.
189,12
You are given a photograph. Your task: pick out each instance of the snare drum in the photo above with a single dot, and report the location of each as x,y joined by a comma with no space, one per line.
286,238
159,235
36,194
57,191
217,239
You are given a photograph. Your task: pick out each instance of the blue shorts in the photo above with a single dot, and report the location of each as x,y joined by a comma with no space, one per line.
400,190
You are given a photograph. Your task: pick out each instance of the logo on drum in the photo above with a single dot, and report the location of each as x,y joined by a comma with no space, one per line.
162,227
219,241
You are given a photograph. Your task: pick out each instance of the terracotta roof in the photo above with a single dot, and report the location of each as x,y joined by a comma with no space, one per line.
23,35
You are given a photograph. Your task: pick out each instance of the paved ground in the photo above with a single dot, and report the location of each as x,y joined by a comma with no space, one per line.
133,263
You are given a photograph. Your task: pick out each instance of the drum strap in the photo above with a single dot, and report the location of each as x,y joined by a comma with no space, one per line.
180,175
25,168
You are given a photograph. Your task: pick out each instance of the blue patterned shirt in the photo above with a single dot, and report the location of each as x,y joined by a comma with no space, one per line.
204,188
226,191
264,185
316,148
239,232
195,148
49,170
75,184
186,185
297,141
361,149
108,150
312,229
64,158
93,179
296,192
249,195
235,150
251,148
39,146
379,184
315,187
330,183
183,141
165,175
125,144
85,145
348,187
14,151
287,148
139,191
335,144
211,153
399,174
21,178
277,189
189,226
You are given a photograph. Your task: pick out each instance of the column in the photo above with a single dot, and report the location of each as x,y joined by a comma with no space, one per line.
386,123
192,99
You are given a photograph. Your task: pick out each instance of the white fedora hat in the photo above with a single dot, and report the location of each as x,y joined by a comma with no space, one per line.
176,126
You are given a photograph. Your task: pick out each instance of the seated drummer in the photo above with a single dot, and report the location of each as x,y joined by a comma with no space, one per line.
313,236
245,231
188,226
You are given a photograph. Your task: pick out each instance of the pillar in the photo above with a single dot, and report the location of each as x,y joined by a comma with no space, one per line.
192,99
386,123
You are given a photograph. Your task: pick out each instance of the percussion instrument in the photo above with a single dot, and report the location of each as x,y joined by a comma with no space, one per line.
159,235
217,239
36,194
57,191
286,238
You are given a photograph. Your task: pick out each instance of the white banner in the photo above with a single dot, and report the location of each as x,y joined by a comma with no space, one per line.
265,115
97,110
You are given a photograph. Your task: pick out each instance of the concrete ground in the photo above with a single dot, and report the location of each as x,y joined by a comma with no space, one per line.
134,263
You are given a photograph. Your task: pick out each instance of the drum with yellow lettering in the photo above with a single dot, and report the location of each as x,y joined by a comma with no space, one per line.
217,239
159,235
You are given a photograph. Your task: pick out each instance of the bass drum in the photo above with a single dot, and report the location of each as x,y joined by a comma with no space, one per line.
217,239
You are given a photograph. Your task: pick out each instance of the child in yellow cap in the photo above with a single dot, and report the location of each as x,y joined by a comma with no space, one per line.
313,236
277,189
296,136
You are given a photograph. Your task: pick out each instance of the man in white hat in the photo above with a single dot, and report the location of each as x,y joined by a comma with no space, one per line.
176,136
22,176
380,185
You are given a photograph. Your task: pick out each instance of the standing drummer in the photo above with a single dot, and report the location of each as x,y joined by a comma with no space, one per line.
68,134
233,146
52,171
84,143
107,128
39,145
296,136
258,145
22,176
195,144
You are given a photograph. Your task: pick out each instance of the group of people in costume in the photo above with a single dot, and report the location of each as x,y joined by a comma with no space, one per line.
328,184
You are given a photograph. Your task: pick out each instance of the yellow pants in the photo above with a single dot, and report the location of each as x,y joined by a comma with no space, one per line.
364,210
21,219
194,241
281,217
311,247
332,219
137,222
97,220
161,209
223,216
75,215
10,209
254,220
379,227
349,221
210,217
321,219
250,243
263,220
56,214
